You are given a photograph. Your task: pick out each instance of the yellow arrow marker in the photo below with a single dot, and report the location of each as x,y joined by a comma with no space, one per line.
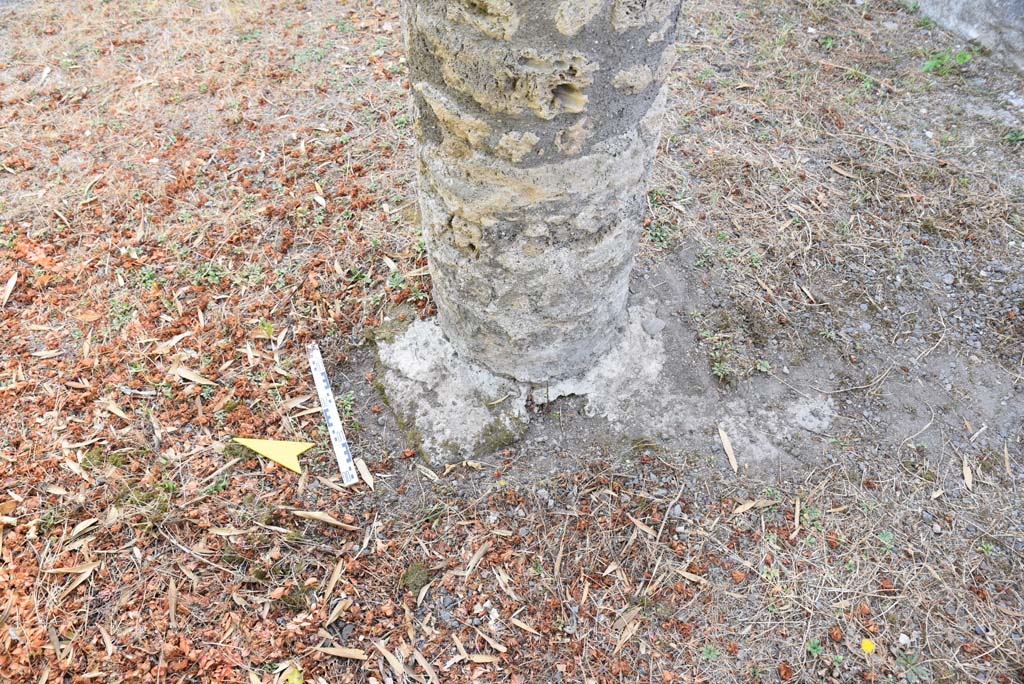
285,453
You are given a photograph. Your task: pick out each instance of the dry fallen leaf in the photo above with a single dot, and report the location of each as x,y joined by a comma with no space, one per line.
81,527
165,347
482,658
476,558
340,608
430,474
339,567
74,569
172,603
423,592
968,475
364,473
191,375
796,520
427,667
342,652
493,643
320,516
692,577
523,626
393,661
758,503
727,445
626,635
82,577
642,527
8,289
843,172
295,402
110,406
108,643
625,618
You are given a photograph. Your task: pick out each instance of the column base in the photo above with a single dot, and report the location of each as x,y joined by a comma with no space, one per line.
455,409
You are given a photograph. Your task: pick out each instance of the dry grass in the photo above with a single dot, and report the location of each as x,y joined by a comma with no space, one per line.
235,178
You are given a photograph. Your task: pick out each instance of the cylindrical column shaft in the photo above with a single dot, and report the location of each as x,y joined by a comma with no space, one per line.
538,121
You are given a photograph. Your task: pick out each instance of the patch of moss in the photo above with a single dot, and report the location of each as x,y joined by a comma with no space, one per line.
236,450
97,457
498,435
416,577
152,503
295,600
394,326
118,459
93,457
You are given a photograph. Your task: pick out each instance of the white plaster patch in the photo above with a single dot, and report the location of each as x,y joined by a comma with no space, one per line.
812,414
630,368
455,406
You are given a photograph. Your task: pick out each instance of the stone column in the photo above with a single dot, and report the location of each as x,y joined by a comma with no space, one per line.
538,121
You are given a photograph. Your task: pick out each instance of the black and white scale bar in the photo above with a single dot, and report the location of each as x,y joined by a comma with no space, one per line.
330,410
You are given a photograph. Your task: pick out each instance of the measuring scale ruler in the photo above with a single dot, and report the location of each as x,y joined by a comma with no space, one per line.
330,410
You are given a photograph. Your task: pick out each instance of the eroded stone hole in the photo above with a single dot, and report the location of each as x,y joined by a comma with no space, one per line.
465,236
480,8
496,18
630,11
570,97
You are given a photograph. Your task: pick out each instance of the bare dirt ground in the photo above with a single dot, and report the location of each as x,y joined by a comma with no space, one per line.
190,191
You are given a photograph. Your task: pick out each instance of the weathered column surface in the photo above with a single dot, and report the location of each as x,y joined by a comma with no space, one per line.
538,121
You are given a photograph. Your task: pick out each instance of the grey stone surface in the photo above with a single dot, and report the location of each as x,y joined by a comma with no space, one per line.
610,385
537,123
996,24
452,407
457,409
653,326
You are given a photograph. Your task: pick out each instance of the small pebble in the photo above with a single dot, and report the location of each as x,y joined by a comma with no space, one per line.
949,279
936,528
653,326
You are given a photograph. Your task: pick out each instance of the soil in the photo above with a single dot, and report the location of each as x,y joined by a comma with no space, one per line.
832,276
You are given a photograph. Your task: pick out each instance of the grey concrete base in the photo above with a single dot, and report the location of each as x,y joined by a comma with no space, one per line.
633,363
452,407
996,24
457,409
